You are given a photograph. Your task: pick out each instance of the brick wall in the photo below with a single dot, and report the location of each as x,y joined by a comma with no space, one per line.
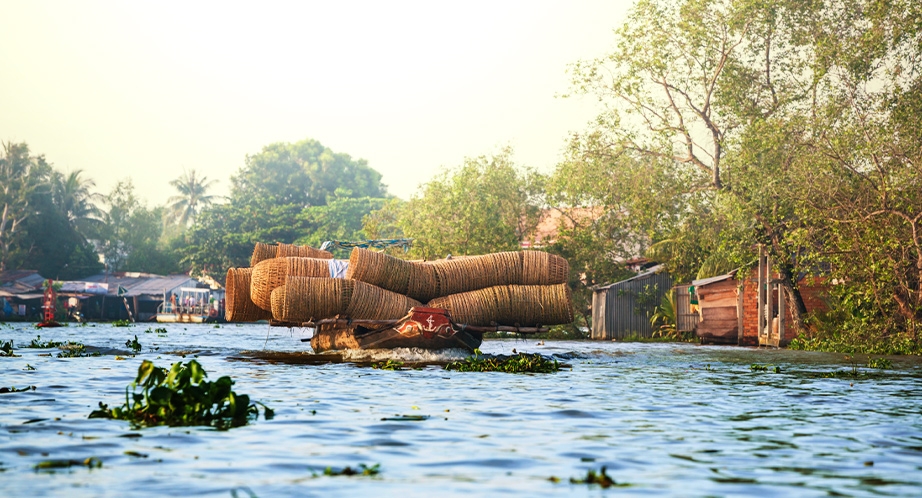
813,290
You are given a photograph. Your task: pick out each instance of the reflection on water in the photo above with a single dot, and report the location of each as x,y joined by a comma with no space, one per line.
665,419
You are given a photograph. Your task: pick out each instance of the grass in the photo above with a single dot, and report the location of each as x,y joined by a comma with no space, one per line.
181,396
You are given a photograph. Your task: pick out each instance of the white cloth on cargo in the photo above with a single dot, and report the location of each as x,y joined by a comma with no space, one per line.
338,268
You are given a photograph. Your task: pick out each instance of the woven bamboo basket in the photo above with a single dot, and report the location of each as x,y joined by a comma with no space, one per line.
370,302
380,269
291,250
541,268
303,299
523,305
263,252
272,273
239,307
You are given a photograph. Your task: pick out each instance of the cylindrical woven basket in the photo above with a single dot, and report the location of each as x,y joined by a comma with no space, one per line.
291,250
239,307
541,268
303,299
263,252
370,302
380,269
272,273
524,305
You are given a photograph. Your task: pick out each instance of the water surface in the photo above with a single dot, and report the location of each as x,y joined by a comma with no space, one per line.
664,419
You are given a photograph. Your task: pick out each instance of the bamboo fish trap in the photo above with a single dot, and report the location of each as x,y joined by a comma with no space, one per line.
262,252
522,305
272,273
239,306
304,299
425,281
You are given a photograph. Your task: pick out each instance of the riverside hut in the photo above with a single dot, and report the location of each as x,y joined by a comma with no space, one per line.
623,309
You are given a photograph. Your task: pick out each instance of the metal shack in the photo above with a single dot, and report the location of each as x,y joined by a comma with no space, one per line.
623,309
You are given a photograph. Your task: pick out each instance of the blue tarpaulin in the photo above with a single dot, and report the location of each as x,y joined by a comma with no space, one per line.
368,244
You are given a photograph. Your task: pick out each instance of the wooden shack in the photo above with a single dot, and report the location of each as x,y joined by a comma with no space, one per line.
719,304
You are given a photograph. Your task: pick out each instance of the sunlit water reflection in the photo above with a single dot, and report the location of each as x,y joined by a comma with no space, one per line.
665,419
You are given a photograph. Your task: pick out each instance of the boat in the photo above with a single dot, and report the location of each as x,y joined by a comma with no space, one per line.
423,327
192,305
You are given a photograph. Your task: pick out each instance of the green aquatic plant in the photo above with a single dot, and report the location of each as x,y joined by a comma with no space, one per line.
518,363
880,363
134,345
158,330
361,470
182,397
6,349
601,478
121,323
91,463
75,350
389,365
14,389
756,367
38,344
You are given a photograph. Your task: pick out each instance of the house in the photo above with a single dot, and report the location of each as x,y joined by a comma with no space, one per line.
623,309
20,294
729,306
111,296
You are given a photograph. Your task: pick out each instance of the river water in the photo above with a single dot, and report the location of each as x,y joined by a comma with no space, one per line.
664,419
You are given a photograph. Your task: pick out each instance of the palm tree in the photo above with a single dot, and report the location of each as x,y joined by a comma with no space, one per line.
71,194
192,197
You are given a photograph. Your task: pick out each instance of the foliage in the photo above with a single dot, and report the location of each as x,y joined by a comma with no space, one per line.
6,349
121,323
182,397
486,205
665,315
134,345
601,478
361,470
22,177
301,192
183,208
75,350
389,365
519,363
38,344
90,463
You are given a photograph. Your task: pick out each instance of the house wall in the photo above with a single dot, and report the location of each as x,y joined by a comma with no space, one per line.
813,290
718,303
628,306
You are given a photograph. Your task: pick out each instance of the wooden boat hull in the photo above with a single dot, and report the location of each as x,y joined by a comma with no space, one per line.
425,328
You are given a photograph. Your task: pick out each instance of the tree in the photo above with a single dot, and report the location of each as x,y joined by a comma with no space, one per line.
75,201
21,177
192,197
304,174
487,204
132,233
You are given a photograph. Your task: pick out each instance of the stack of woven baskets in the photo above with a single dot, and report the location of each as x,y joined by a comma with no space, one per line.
292,284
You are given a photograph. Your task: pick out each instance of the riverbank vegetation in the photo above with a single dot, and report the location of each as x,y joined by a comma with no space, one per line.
723,126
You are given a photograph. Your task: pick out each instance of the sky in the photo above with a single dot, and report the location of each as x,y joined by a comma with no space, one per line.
146,90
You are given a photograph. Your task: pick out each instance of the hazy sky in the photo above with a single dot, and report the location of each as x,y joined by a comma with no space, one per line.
145,89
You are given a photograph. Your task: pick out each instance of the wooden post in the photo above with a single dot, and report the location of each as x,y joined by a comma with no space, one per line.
780,314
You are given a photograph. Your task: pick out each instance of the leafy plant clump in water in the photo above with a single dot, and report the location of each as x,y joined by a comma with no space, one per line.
134,345
361,470
602,479
75,350
756,367
182,397
6,349
38,344
158,330
121,323
388,365
519,363
880,363
14,389
92,463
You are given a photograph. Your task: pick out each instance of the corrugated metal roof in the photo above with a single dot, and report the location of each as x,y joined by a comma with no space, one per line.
650,271
711,280
143,284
